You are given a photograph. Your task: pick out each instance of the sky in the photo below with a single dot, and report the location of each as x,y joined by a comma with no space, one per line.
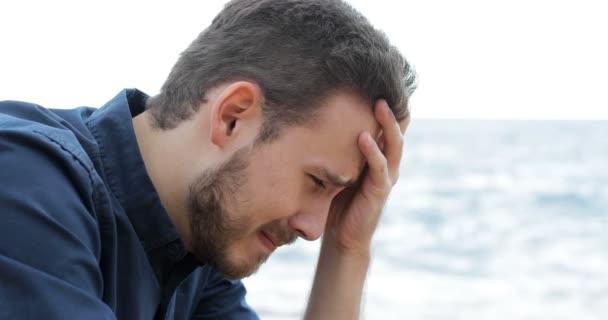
518,59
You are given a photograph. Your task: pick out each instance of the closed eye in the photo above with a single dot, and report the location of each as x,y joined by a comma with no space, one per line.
318,182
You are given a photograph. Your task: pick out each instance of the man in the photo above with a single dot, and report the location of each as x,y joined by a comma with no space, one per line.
283,119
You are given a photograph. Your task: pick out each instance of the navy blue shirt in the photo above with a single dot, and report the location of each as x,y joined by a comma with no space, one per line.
83,234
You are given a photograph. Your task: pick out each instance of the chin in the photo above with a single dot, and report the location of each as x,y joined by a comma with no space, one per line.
239,268
237,273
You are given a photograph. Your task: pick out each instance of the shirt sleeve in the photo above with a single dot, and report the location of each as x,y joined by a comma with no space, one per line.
49,240
223,298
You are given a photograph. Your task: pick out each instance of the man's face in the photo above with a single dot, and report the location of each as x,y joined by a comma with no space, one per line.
267,196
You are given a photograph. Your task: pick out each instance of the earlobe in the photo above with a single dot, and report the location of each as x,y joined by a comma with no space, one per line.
236,106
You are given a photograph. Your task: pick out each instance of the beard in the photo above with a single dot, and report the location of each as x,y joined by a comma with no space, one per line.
213,231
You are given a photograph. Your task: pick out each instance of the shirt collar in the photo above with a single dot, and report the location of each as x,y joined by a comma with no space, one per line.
125,171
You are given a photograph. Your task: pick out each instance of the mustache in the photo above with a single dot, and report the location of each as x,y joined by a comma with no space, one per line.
283,235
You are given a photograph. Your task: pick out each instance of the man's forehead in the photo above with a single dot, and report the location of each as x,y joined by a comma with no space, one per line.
340,122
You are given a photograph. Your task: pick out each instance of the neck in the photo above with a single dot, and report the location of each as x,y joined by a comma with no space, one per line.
163,164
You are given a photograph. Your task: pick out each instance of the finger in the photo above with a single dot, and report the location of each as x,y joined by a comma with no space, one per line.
393,138
376,162
404,124
380,140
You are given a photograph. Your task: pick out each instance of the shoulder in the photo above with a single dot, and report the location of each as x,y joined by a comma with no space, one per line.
47,207
34,134
47,181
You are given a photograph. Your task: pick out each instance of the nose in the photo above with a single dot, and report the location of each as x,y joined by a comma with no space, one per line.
310,221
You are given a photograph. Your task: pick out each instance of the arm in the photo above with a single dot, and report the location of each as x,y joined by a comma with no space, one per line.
353,217
49,242
338,284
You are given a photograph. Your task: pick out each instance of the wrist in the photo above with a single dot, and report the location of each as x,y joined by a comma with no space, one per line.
345,249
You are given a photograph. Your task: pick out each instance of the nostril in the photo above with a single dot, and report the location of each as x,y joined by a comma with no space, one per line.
302,234
307,226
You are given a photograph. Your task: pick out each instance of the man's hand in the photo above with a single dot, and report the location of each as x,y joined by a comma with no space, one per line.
355,212
353,217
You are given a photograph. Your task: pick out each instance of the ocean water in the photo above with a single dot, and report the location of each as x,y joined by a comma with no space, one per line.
489,220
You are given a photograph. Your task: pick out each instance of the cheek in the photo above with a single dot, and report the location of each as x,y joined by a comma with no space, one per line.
271,194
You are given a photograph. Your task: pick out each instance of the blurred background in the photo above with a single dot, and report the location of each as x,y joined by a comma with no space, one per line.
501,208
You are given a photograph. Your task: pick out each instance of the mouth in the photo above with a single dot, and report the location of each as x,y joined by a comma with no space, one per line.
268,242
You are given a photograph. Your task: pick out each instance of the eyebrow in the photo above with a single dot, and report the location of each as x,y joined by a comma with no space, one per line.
338,180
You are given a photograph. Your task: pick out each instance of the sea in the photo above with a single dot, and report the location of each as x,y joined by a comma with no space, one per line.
490,219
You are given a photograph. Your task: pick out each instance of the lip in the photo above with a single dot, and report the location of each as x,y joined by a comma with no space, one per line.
267,241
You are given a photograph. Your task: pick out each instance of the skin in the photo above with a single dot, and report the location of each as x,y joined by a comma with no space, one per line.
278,191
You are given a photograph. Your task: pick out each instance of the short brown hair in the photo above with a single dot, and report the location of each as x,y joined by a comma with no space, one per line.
297,51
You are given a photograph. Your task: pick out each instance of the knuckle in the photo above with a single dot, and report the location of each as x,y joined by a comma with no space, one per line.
383,168
383,188
388,185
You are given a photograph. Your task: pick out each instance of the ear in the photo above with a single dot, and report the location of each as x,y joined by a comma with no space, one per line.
237,105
